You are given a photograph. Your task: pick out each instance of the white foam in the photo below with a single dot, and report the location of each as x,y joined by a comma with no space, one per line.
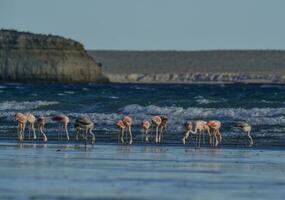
202,100
177,115
24,105
69,92
255,116
272,86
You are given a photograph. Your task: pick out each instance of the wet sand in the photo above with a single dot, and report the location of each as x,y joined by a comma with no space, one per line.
109,171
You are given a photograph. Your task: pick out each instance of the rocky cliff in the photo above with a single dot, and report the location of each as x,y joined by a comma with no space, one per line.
37,57
220,66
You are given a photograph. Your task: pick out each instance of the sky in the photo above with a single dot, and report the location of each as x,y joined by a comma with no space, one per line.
153,24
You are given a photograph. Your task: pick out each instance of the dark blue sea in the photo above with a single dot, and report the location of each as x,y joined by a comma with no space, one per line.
263,106
108,170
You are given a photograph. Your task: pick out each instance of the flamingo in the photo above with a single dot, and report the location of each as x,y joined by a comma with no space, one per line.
84,123
215,128
120,124
22,119
163,125
31,119
189,127
145,126
157,121
64,120
41,122
128,121
245,127
200,128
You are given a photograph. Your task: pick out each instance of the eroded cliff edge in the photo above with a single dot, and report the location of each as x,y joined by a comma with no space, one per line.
26,56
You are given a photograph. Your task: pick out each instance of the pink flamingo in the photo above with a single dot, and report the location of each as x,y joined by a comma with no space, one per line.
246,128
128,121
157,121
84,123
22,119
41,123
200,128
32,120
64,120
215,128
189,127
162,126
120,124
145,125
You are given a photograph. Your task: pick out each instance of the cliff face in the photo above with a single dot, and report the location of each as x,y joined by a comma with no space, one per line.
37,57
227,66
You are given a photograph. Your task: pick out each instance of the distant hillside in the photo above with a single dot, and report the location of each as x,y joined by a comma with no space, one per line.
255,66
26,56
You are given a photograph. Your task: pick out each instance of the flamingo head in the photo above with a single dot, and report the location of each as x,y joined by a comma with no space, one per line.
156,120
145,125
127,121
19,116
120,124
164,120
188,125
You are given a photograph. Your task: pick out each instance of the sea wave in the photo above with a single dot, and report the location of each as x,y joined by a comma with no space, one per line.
260,118
257,116
202,100
272,86
24,105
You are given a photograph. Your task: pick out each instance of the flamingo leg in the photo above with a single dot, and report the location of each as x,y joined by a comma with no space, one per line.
30,131
33,129
146,135
250,138
86,137
220,136
42,132
61,130
93,136
200,132
210,136
203,137
20,130
160,134
187,134
77,134
156,134
23,131
66,131
122,136
58,132
196,139
131,136
216,139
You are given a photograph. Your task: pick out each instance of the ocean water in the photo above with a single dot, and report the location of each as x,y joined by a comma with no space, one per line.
107,170
261,105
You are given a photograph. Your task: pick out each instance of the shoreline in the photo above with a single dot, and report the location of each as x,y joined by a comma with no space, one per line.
143,83
53,143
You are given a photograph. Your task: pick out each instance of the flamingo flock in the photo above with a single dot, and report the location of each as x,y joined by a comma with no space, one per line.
200,129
